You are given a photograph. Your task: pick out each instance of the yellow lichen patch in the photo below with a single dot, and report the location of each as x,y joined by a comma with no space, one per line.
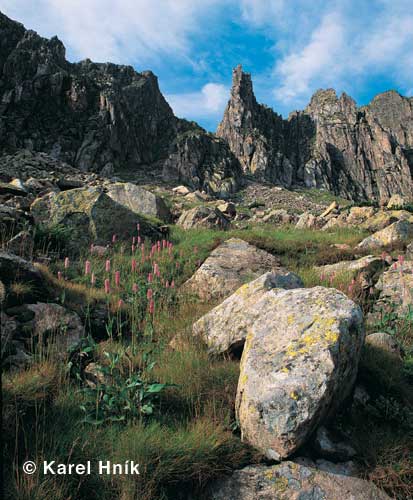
294,395
285,369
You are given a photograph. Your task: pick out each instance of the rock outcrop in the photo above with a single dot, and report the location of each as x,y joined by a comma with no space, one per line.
299,363
203,216
358,153
400,232
292,481
98,117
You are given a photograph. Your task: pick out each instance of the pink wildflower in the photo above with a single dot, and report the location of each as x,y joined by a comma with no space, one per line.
107,266
107,286
150,278
120,303
172,284
134,288
139,240
151,306
133,265
59,275
149,293
114,238
88,267
166,284
117,278
133,240
138,227
67,263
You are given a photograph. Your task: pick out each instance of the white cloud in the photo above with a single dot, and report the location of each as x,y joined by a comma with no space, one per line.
116,31
345,49
208,102
298,69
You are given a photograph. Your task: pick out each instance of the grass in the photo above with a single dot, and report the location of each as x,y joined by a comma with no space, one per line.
190,439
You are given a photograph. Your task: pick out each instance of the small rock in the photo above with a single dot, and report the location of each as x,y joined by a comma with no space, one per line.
331,208
203,216
182,190
385,342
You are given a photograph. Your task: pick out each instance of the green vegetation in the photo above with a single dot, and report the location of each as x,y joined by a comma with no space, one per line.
157,397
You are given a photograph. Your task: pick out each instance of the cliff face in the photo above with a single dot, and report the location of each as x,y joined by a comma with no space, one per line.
359,153
96,117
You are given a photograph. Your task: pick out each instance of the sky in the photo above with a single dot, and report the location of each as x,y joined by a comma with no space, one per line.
291,47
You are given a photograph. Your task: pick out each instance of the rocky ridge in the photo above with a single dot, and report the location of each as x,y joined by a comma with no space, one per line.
357,153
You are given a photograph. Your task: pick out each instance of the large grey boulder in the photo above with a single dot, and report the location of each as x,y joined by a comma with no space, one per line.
292,481
299,363
91,215
398,232
139,200
232,264
225,328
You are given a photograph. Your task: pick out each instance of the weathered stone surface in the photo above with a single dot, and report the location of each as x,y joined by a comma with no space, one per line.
384,342
368,264
225,328
138,200
53,322
358,153
328,446
181,190
331,208
9,188
203,216
228,208
22,244
306,220
397,233
12,221
291,481
205,162
280,216
383,219
92,216
15,269
299,363
232,264
395,287
396,201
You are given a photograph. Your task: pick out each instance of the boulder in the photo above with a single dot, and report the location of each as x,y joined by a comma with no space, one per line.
91,215
12,221
384,218
181,190
228,208
225,328
306,220
395,287
203,216
139,200
330,209
22,244
232,264
292,481
396,201
299,363
15,269
279,216
397,233
12,188
384,342
368,264
53,322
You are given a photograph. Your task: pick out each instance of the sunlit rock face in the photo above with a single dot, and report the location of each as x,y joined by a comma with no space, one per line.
358,153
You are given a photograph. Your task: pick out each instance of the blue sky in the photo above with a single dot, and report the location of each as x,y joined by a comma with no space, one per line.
291,47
